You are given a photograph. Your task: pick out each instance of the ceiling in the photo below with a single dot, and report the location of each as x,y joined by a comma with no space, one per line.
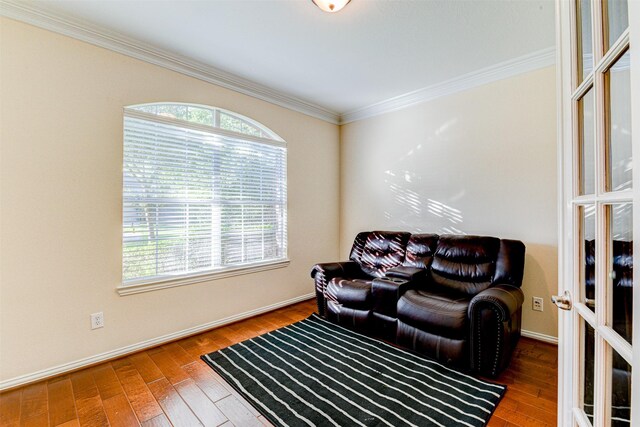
369,52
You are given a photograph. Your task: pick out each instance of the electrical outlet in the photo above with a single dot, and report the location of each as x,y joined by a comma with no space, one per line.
97,320
537,304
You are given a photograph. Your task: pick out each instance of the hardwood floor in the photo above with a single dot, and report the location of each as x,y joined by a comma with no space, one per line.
170,385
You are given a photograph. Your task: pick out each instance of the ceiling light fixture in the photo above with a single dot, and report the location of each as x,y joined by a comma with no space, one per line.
330,6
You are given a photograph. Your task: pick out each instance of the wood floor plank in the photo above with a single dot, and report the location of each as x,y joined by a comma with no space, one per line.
35,421
244,330
549,394
91,412
206,411
265,422
172,404
217,340
496,421
10,403
523,378
159,421
537,413
509,403
538,402
235,393
274,322
231,336
178,354
147,369
192,345
88,401
119,411
524,371
106,381
518,418
527,388
268,323
34,404
62,407
201,374
142,401
169,367
174,377
237,412
199,345
284,316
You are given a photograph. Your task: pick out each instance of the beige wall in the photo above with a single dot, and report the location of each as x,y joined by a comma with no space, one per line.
60,202
478,162
482,161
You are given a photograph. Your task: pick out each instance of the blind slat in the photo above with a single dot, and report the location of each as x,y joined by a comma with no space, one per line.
194,201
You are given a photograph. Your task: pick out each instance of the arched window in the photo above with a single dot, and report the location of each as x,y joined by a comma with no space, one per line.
205,194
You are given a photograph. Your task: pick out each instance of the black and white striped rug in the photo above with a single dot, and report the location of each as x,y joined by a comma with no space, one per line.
315,373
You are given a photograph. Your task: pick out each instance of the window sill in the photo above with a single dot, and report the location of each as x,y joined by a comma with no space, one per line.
157,284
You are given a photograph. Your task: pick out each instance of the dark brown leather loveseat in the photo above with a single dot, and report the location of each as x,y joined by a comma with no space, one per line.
454,298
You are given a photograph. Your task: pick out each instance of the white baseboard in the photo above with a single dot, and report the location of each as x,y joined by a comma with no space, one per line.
540,337
109,355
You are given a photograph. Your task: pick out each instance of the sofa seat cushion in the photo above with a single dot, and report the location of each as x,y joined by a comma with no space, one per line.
440,313
353,293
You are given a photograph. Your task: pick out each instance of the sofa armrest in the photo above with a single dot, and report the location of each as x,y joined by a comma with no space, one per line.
505,299
336,269
386,291
495,315
323,273
410,274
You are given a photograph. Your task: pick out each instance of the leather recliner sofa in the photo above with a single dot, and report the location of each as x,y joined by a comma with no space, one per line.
454,298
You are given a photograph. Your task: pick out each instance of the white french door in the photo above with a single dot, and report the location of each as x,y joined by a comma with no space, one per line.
599,113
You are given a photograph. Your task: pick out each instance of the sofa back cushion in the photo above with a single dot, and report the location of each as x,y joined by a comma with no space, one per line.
358,246
381,251
510,263
465,264
420,250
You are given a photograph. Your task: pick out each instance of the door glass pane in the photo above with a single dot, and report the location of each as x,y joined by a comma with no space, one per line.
616,19
620,391
588,256
588,356
585,52
586,144
620,283
618,86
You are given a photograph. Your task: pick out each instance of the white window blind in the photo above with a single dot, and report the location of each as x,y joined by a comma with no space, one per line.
199,199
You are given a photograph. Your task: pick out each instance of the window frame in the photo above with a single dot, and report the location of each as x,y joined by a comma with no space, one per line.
146,284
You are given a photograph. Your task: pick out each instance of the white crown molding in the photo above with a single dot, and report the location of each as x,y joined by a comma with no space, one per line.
110,355
533,61
539,337
99,36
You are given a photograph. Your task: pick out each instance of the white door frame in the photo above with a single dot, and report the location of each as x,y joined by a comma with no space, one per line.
568,369
634,37
564,70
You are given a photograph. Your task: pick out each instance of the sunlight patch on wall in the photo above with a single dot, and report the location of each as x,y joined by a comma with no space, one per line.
441,210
